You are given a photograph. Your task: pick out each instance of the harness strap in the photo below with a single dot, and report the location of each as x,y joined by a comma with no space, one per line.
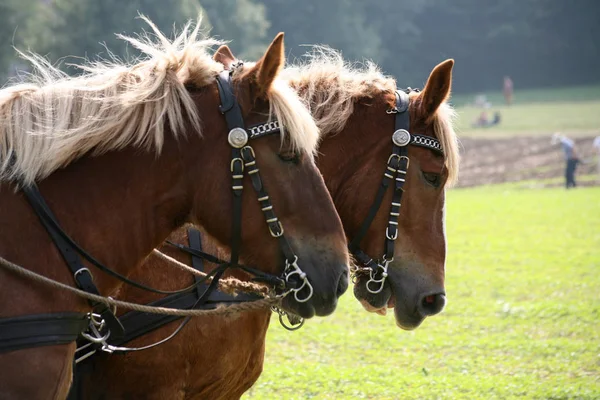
82,275
195,242
44,212
138,324
27,331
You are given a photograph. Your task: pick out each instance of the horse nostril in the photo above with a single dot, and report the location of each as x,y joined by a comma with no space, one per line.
431,304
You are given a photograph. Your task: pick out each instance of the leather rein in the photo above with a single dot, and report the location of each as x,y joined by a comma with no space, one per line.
394,176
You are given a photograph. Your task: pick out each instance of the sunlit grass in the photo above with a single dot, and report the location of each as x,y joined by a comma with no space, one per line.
523,278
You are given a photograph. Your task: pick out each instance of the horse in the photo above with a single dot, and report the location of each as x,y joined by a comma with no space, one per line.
221,358
123,155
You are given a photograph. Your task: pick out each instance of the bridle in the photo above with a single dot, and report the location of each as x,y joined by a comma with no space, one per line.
395,176
101,323
243,159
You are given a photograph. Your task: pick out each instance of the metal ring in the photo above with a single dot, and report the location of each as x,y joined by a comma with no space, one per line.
380,281
97,338
290,327
310,292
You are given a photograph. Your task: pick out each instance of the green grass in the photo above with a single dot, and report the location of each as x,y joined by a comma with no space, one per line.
523,282
574,110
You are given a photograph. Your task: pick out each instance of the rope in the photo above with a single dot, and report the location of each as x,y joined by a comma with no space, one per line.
227,285
220,310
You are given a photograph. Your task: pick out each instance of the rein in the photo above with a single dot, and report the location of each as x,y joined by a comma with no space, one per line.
394,176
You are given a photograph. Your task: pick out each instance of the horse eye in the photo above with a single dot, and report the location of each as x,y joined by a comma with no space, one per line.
290,157
433,179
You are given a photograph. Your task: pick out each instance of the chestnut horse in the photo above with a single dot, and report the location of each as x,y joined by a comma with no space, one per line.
220,358
125,155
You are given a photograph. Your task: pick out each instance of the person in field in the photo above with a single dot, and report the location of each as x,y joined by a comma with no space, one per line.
596,145
571,158
508,90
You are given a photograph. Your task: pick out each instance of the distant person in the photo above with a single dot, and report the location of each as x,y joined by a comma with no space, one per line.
596,145
571,158
496,119
508,90
482,120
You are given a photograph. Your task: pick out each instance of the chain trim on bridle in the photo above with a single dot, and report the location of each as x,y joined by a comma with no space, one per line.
394,176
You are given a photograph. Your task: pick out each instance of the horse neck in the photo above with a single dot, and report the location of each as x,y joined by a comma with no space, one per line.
120,205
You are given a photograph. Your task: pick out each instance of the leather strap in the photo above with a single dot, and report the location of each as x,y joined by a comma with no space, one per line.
37,330
82,275
195,241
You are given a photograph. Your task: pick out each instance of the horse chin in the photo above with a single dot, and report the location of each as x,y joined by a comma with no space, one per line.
373,302
304,310
405,320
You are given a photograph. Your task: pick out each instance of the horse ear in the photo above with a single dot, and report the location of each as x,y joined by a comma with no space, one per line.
438,86
269,66
224,56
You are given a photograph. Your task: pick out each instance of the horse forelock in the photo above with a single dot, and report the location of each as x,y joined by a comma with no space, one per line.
330,86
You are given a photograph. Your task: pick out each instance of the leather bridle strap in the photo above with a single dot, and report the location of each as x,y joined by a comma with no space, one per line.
395,176
244,160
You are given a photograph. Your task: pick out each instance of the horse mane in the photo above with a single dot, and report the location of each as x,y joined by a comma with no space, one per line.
55,119
330,86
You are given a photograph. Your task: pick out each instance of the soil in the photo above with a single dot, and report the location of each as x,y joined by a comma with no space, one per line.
499,160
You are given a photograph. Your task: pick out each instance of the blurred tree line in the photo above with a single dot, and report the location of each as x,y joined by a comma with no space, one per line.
536,42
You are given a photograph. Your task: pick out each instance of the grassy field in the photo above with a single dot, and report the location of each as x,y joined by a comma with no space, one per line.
523,282
574,110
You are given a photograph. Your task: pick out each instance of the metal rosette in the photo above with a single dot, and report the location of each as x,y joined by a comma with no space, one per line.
401,137
238,138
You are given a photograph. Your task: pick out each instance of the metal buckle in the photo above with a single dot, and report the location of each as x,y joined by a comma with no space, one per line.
407,161
387,234
276,234
233,160
81,270
251,152
392,156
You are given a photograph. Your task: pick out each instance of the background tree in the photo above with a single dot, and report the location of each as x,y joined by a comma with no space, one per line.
536,42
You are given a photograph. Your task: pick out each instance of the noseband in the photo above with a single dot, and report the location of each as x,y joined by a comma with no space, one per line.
395,176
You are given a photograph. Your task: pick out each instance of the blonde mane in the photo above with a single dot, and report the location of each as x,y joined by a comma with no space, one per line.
55,119
330,86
